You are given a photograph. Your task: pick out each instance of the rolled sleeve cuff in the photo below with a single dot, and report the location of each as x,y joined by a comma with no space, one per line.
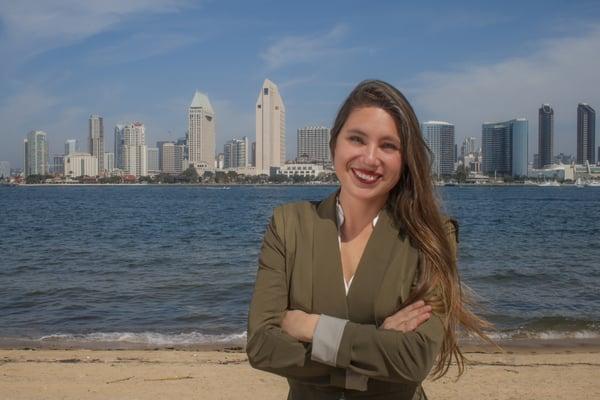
327,339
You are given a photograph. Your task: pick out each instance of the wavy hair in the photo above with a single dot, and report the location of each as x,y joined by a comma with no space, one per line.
416,211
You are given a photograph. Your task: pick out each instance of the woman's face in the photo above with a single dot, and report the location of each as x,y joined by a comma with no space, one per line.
367,156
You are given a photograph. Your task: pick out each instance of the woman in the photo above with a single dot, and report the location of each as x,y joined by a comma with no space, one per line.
358,295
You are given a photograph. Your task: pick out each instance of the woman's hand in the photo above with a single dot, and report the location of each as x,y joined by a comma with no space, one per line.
299,324
409,318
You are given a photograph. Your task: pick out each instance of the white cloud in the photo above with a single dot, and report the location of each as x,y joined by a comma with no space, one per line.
561,72
308,48
33,27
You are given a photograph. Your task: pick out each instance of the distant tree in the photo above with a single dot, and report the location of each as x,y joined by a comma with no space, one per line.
33,179
190,175
462,173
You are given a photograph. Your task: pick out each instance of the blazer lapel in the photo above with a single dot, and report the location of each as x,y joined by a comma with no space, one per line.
329,294
375,261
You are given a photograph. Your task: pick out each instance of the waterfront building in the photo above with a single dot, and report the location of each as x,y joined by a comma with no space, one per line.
152,160
298,169
235,153
504,148
201,130
586,133
80,164
109,162
57,166
133,149
167,160
159,146
71,146
4,169
270,128
180,163
253,155
468,146
36,153
313,145
220,161
439,136
119,142
96,140
545,136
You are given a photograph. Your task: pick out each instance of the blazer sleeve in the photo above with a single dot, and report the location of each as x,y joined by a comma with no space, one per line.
388,354
268,347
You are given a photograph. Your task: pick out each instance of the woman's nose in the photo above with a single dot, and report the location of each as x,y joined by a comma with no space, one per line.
371,154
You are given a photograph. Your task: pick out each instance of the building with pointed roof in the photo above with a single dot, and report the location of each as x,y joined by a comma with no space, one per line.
201,131
270,128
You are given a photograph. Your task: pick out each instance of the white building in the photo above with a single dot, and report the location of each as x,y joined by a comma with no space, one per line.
152,160
201,130
270,128
71,146
312,170
439,136
313,144
4,169
109,162
235,153
133,149
96,140
80,164
36,153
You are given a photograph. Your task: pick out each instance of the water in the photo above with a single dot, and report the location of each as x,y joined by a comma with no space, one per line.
169,265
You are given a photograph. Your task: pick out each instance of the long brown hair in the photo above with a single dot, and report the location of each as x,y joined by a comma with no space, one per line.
416,211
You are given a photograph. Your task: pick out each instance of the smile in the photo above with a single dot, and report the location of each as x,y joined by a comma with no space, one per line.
365,177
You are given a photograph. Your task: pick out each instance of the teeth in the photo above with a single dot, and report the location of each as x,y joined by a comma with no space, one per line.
365,176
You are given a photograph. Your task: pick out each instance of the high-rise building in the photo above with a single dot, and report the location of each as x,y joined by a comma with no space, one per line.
439,136
152,160
270,128
133,149
201,130
504,147
313,145
36,153
545,136
96,140
159,146
180,163
119,142
109,162
71,146
80,164
57,166
586,133
235,153
4,169
468,146
220,161
167,157
253,155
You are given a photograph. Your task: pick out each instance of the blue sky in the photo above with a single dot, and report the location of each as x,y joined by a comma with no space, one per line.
462,62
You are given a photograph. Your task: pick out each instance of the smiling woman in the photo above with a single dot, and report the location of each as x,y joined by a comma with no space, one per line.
359,296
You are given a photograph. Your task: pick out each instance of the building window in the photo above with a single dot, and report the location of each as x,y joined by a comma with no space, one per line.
266,91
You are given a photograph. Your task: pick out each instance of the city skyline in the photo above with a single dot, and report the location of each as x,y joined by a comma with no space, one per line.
141,62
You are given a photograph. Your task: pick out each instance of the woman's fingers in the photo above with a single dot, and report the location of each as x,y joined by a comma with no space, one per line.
408,318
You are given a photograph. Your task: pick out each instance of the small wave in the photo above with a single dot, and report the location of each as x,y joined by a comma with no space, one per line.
150,338
544,335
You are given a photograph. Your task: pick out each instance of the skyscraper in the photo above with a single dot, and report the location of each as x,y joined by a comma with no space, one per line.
133,149
468,146
152,160
313,144
96,140
119,142
201,131
504,147
270,128
4,169
71,146
586,133
545,136
235,153
36,153
439,136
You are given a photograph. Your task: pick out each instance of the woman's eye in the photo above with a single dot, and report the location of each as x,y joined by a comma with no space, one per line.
390,146
356,139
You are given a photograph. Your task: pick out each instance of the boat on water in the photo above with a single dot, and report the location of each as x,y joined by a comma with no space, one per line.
593,184
549,183
579,183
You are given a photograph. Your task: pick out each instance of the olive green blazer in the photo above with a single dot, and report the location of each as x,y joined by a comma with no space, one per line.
300,268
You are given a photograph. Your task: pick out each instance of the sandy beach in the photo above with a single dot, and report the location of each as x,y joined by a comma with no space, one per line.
520,372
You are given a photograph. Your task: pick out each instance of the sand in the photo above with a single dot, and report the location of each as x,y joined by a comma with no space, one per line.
518,373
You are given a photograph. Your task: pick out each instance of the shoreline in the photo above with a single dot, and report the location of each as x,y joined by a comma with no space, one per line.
554,346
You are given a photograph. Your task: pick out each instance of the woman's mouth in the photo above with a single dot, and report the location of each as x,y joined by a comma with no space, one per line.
365,177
